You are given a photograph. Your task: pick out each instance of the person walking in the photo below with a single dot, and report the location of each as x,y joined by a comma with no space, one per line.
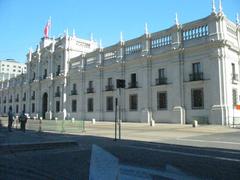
10,119
23,121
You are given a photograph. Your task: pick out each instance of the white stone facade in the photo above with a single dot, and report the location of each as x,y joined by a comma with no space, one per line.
189,71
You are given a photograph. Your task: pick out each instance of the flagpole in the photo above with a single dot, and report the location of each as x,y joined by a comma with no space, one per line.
50,28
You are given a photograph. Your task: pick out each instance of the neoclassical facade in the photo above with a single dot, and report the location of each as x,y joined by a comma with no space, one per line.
186,72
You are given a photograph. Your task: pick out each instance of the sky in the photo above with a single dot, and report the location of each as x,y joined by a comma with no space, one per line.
22,22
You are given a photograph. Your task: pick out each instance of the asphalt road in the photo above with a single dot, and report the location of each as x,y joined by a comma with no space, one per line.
73,162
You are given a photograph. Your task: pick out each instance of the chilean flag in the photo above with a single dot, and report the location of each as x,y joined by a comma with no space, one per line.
46,29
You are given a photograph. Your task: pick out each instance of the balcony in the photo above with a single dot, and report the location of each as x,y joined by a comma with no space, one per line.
161,81
90,90
109,88
57,94
74,92
196,76
132,85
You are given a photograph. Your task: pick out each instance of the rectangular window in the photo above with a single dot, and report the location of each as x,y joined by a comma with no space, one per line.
110,81
24,107
74,105
133,102
197,99
161,73
234,97
133,78
90,84
109,103
233,68
90,104
33,107
196,68
162,100
16,108
57,106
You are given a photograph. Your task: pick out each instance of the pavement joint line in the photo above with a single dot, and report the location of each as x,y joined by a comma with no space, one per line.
183,153
203,141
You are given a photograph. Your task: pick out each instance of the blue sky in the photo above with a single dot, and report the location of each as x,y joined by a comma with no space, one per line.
22,21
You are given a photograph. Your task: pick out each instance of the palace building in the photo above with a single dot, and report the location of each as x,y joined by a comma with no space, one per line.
186,72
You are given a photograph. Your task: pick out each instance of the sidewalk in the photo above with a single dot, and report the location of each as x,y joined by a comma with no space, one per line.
202,136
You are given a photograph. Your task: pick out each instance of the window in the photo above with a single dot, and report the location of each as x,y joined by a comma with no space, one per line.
33,107
90,84
109,103
110,81
162,100
133,83
16,108
74,105
133,102
24,107
197,73
74,89
197,99
4,109
196,67
57,106
45,74
234,75
234,97
161,73
90,104
161,77
58,70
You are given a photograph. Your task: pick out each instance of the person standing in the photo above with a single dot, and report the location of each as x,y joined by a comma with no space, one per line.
10,119
23,121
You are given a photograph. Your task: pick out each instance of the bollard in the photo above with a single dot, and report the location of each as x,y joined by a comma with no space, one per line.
93,121
63,130
152,123
73,120
195,123
40,125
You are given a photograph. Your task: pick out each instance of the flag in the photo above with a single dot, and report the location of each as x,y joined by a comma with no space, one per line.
47,27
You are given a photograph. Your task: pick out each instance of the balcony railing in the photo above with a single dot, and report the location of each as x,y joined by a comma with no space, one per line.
133,84
74,92
161,81
196,76
109,87
57,94
235,77
90,90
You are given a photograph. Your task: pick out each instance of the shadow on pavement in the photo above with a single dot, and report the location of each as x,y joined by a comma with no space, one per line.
41,157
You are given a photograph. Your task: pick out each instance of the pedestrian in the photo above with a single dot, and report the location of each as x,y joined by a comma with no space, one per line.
23,121
10,119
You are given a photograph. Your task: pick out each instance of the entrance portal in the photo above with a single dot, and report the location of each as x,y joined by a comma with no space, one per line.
44,105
